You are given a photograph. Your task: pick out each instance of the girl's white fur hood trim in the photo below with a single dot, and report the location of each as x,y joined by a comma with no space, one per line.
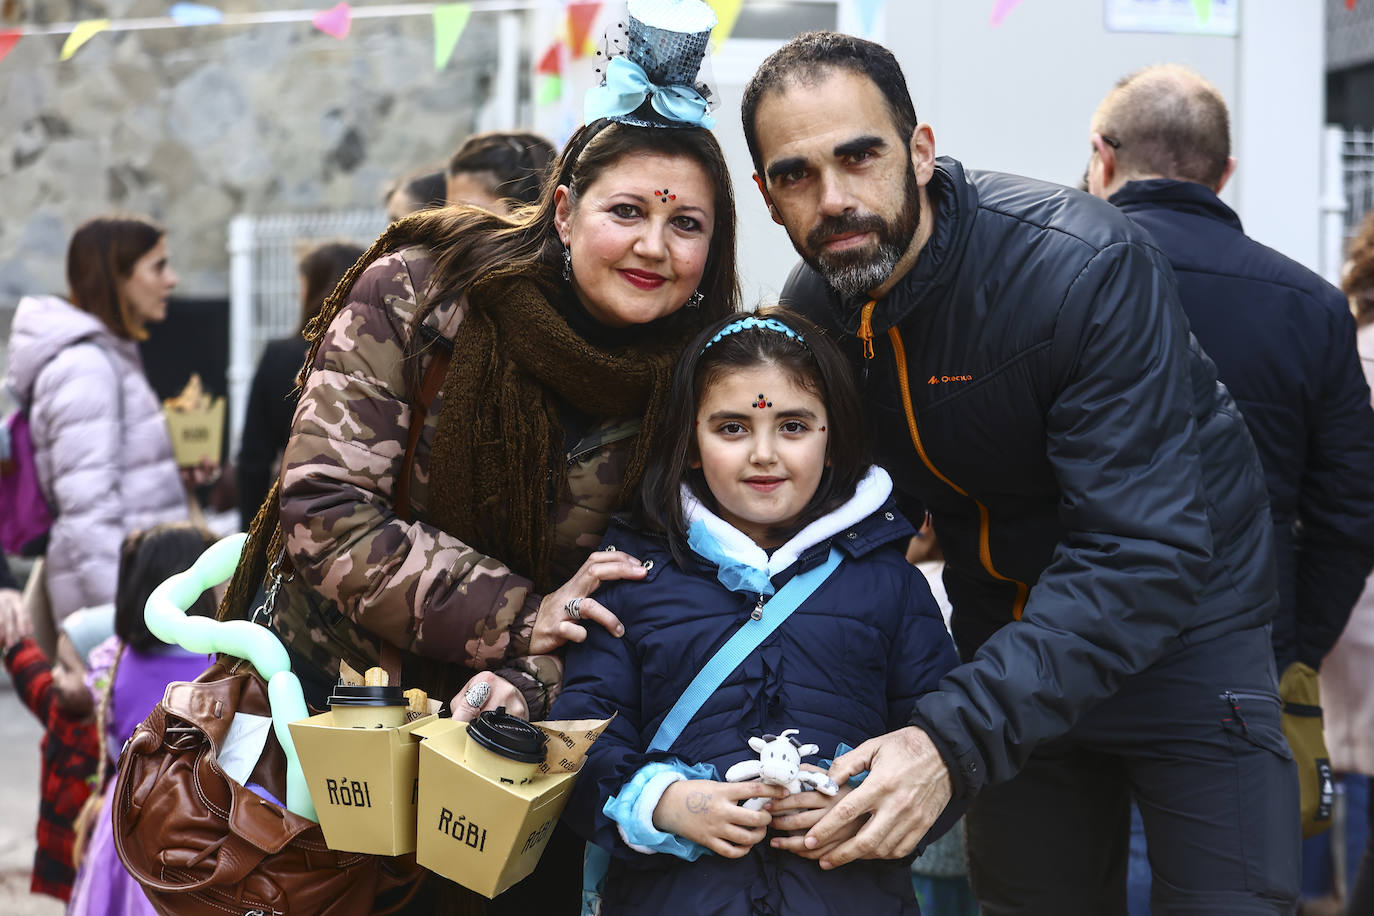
873,490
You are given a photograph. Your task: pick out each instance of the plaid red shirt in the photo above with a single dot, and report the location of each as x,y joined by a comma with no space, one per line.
70,750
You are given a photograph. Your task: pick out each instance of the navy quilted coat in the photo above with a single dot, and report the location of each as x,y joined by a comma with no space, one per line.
846,666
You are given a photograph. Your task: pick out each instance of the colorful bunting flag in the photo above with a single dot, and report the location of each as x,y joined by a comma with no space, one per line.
83,33
1350,4
727,11
8,39
195,14
334,21
450,19
868,14
551,64
580,19
1203,10
551,90
1000,11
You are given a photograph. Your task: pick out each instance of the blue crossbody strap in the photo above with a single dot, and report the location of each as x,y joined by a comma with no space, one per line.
737,648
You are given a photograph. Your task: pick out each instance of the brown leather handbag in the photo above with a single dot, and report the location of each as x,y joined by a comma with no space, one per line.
200,844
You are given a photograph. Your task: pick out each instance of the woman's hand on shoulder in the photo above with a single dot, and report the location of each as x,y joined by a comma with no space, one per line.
484,691
709,813
565,612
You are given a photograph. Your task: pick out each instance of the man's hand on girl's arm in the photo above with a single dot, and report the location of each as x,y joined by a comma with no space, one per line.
709,813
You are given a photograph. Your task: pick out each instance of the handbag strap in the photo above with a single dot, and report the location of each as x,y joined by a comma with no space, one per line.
435,374
738,647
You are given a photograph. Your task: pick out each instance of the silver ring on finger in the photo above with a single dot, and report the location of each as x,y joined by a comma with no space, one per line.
477,694
572,608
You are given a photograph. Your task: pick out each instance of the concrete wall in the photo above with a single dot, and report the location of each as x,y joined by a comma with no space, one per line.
195,125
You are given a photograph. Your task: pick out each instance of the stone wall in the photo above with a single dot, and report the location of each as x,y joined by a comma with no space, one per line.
195,125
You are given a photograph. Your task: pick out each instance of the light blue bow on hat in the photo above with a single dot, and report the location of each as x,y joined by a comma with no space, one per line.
626,88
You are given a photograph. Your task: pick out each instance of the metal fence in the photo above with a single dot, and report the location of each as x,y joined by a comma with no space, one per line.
264,286
1348,193
1357,156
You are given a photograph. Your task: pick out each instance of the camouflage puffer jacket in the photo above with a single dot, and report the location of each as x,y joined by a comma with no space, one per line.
362,574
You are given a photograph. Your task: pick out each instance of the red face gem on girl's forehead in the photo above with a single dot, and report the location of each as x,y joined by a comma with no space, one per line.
762,402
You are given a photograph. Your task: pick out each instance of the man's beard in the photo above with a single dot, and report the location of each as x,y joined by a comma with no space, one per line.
855,272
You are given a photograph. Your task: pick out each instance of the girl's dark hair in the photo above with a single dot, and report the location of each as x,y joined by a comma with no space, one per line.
148,558
427,189
103,252
321,268
516,162
816,366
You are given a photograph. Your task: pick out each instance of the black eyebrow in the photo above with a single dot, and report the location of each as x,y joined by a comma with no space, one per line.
783,166
859,145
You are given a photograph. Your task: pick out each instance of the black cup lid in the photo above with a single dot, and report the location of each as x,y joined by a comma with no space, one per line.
347,695
509,736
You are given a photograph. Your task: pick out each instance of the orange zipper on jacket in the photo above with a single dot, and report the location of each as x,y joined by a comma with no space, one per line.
984,522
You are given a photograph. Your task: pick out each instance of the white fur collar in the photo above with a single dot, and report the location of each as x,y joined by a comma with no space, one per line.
872,491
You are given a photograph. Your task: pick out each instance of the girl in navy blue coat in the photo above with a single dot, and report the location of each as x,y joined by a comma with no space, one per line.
761,472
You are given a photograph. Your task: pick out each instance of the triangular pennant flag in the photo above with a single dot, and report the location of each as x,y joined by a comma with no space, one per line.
1203,10
868,14
1000,11
580,19
8,39
195,14
551,90
334,21
83,33
727,11
1350,4
449,21
551,64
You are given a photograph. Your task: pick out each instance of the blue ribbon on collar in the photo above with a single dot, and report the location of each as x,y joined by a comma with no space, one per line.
733,573
626,88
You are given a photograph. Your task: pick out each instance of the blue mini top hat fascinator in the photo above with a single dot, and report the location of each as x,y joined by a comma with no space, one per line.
651,78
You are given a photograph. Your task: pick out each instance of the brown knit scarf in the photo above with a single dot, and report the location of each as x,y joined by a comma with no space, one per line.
495,467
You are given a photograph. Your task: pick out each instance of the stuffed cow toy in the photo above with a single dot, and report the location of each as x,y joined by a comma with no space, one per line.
779,764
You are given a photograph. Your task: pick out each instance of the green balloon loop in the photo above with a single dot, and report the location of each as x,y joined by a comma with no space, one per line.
167,620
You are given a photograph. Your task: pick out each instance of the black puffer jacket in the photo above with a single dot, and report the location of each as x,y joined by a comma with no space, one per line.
1284,343
1097,496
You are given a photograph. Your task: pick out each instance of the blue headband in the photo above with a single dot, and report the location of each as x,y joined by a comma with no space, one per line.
745,324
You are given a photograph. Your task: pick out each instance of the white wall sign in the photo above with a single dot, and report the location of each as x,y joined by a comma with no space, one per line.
1177,17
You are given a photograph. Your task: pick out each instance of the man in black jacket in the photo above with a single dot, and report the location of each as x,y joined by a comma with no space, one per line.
1283,340
1031,381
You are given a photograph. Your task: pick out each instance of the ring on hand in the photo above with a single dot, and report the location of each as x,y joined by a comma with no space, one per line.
571,608
477,694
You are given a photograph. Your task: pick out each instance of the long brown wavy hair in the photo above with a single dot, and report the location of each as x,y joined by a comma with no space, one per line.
1358,282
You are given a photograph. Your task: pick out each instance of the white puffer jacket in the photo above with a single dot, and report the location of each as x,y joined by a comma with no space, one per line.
102,478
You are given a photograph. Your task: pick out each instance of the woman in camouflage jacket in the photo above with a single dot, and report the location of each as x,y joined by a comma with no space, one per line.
563,323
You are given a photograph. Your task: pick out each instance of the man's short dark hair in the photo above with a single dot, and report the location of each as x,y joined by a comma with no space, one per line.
1169,121
807,57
